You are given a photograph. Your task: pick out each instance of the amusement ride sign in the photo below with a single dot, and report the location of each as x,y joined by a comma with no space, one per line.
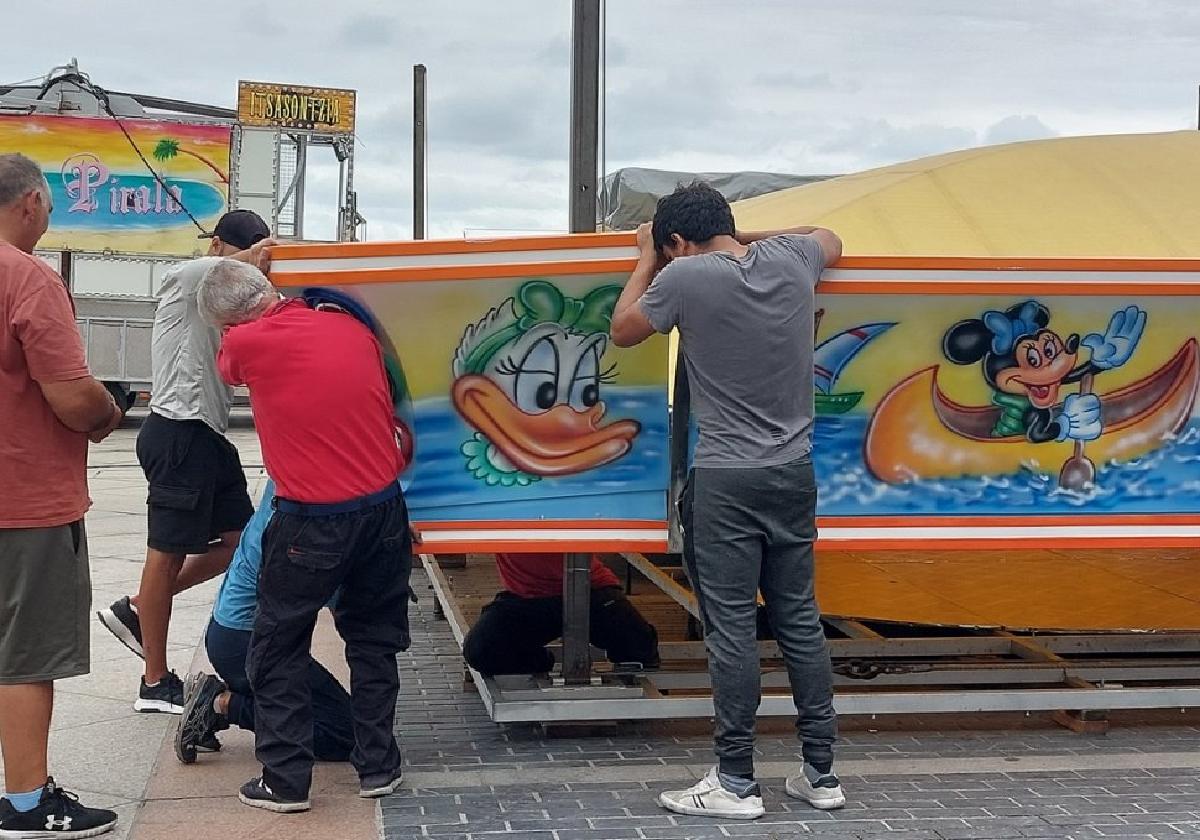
294,106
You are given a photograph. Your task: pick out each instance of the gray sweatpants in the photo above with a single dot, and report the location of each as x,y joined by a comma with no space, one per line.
747,530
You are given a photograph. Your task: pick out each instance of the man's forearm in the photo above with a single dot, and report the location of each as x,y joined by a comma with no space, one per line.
112,417
746,237
639,281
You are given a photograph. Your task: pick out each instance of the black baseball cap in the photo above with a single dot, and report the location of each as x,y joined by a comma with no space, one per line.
239,228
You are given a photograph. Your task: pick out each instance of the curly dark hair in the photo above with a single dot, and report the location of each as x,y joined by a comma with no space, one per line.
695,211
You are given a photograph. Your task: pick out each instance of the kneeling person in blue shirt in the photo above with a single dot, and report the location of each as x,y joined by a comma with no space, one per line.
214,703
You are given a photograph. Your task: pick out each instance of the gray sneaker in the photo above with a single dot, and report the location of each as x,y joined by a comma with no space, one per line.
200,721
822,791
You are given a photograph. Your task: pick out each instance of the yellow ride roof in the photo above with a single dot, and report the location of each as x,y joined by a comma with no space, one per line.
1130,195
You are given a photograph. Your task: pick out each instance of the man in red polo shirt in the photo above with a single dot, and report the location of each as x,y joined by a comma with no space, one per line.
324,414
512,632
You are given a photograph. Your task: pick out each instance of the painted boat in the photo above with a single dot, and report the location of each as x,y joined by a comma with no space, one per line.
919,432
831,356
836,403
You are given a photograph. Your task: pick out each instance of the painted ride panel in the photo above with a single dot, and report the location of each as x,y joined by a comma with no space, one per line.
960,403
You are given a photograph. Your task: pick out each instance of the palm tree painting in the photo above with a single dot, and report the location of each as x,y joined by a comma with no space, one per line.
168,148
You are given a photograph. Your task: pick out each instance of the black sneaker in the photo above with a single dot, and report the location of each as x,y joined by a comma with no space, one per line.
165,696
57,815
122,622
257,795
373,787
208,744
199,718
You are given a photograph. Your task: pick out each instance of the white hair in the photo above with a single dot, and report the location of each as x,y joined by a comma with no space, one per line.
233,292
20,176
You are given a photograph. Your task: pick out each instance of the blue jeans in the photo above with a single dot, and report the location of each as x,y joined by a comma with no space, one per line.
333,724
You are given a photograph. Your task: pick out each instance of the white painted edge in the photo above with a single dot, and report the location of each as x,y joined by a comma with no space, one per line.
1083,531
1033,278
564,535
286,266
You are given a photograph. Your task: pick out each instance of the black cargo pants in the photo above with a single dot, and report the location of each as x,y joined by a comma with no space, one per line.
368,553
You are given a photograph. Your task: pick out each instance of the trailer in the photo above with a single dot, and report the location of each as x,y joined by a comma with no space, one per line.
137,178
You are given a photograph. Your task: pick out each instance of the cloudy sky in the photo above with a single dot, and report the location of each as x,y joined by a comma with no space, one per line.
791,86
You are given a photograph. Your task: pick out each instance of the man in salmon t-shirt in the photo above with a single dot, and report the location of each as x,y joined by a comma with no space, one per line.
49,407
512,632
324,412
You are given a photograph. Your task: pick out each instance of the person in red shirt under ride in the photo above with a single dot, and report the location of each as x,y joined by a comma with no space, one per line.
324,412
512,632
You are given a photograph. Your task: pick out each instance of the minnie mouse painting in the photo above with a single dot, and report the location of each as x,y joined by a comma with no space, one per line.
1027,364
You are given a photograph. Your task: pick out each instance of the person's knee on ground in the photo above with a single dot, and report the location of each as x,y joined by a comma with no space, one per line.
493,653
622,632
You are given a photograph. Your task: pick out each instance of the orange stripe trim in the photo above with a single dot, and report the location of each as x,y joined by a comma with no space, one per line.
1082,520
544,524
1001,521
1064,288
1007,543
409,274
616,240
660,547
364,276
917,263
427,247
541,546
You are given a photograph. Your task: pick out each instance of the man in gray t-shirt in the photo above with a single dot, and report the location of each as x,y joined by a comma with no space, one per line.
198,502
743,306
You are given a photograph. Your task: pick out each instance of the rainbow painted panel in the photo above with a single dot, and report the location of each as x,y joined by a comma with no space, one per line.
105,198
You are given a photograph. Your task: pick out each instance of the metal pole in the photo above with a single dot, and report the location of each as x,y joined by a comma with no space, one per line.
585,121
301,185
419,162
577,604
585,139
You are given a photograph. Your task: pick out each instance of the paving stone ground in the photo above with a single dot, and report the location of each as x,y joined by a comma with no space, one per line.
993,778
470,779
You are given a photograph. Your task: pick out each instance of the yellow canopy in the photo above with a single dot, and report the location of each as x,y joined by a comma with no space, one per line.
1122,195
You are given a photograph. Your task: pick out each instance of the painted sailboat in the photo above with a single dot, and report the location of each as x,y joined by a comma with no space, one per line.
831,357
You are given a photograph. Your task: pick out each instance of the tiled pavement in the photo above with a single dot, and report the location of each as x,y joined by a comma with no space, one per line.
99,747
471,779
467,777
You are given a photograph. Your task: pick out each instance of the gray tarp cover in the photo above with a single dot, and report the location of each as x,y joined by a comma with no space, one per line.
629,195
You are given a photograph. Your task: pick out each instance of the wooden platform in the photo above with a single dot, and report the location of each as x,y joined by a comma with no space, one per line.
1101,590
1021,589
883,661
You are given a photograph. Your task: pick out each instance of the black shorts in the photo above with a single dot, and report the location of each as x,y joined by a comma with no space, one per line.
197,486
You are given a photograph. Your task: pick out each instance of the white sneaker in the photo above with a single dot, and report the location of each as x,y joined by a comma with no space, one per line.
709,798
824,794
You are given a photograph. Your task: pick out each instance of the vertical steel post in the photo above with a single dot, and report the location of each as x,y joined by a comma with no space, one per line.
420,136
